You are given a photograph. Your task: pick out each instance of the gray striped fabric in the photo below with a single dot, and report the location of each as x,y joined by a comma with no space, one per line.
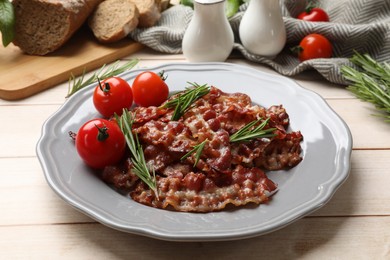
361,25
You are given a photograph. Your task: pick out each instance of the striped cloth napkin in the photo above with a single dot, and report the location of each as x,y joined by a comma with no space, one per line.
355,25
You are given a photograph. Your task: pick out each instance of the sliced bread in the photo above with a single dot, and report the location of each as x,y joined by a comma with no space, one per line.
163,4
113,20
149,12
43,26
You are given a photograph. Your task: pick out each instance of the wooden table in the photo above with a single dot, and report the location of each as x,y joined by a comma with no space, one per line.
36,224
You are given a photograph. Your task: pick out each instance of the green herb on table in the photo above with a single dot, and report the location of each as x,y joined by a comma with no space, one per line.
103,73
189,3
7,22
249,131
198,149
231,6
141,169
370,82
184,100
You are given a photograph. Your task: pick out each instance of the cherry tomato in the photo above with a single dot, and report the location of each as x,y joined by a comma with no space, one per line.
112,95
314,46
314,14
150,89
100,142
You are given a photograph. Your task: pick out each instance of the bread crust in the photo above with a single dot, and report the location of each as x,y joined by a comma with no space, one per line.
109,24
43,26
162,4
149,12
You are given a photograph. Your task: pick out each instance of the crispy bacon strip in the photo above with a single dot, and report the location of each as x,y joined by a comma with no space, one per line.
226,174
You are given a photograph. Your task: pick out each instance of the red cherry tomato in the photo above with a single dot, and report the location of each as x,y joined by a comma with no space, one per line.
314,46
150,89
112,95
100,142
314,14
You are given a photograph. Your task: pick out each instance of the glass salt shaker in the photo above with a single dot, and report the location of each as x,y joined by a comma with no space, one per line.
262,29
209,36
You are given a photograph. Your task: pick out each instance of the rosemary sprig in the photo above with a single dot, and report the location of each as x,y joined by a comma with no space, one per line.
243,134
103,73
372,67
370,82
197,149
183,100
141,168
249,132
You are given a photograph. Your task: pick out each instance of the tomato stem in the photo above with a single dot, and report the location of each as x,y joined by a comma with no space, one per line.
162,75
296,49
102,133
310,7
106,87
72,135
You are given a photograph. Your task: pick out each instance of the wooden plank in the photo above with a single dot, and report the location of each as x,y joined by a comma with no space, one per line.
26,198
24,129
368,131
309,238
365,192
25,75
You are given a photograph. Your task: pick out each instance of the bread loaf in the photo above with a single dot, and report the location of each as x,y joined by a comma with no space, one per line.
42,26
113,20
149,12
163,4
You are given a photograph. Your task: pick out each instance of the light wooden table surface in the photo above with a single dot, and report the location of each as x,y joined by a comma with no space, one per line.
36,224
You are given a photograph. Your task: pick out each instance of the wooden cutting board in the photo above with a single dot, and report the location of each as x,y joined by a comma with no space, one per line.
24,75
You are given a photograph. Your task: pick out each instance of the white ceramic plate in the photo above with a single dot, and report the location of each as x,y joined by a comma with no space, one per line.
326,147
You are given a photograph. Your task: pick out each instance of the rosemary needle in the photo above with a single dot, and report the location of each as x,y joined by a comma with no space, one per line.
370,82
103,73
183,100
198,149
245,133
249,132
141,169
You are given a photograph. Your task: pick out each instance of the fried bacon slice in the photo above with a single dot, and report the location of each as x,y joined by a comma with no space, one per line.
226,173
